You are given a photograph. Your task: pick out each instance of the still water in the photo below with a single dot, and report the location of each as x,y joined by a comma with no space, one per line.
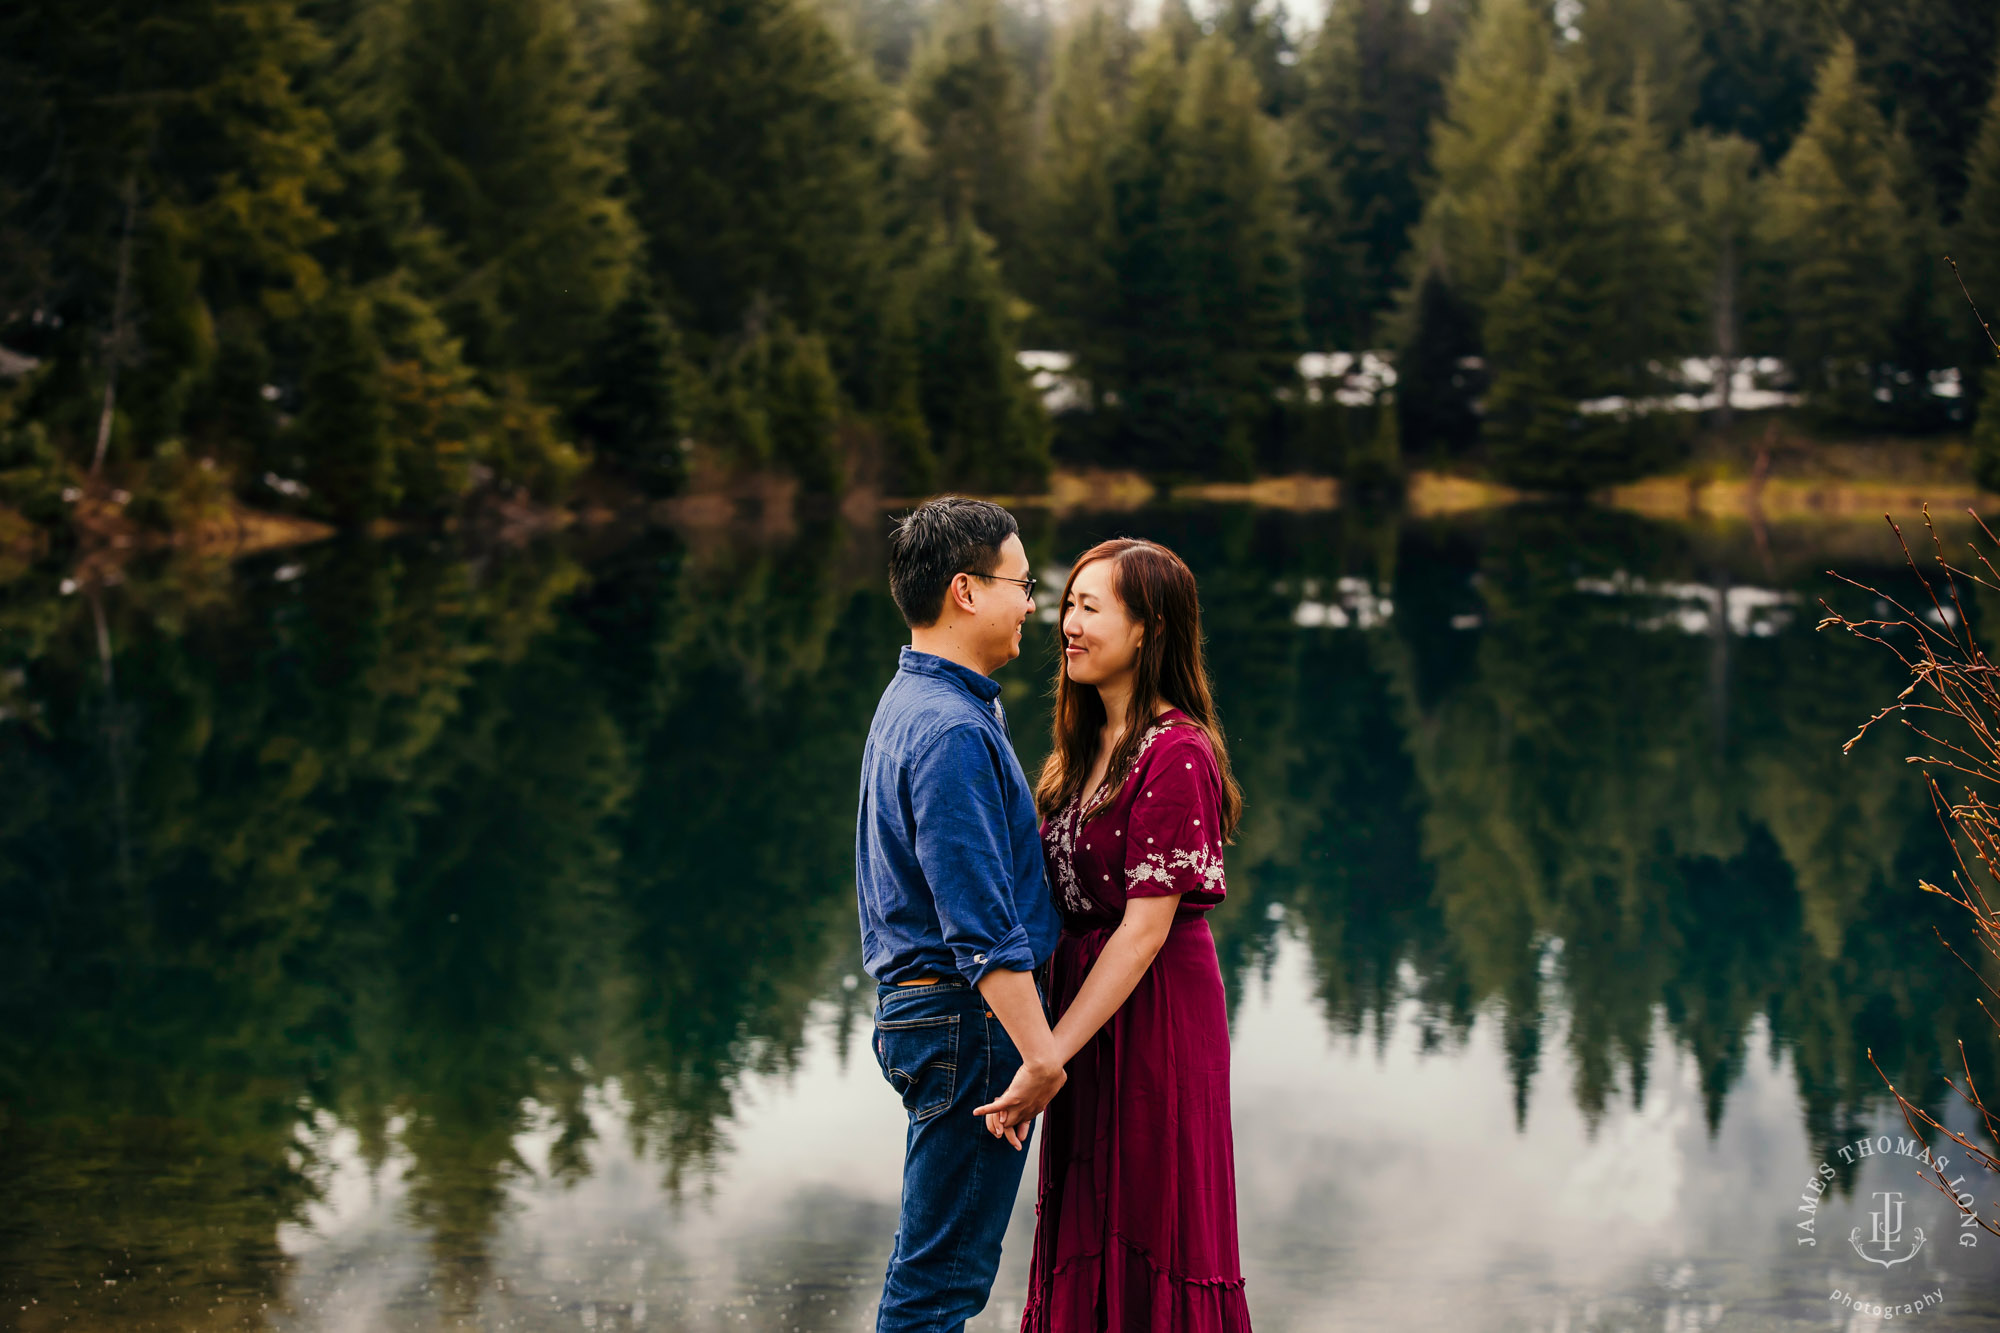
394,938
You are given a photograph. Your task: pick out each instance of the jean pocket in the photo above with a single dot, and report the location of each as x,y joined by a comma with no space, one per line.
919,1057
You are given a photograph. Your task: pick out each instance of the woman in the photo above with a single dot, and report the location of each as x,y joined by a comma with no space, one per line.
1136,1211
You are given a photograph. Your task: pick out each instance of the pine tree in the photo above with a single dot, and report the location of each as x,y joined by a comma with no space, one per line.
909,464
378,225
1728,200
638,385
756,154
517,165
1206,322
1975,247
342,437
1070,253
1845,237
382,247
1653,286
1931,63
1235,217
1554,326
1986,430
1654,43
1492,101
1256,32
1147,353
966,98
802,406
171,159
988,428
1374,81
1757,61
1438,375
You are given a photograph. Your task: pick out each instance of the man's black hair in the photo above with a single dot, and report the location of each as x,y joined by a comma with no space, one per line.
937,541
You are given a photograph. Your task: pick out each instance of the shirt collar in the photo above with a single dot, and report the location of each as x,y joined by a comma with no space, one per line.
984,688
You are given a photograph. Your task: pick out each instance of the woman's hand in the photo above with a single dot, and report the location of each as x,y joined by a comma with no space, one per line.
997,1126
1123,960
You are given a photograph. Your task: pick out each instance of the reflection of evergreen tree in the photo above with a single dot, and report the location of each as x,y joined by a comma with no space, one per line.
1717,875
1545,793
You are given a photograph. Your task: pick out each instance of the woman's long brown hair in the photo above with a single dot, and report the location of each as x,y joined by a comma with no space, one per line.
1157,589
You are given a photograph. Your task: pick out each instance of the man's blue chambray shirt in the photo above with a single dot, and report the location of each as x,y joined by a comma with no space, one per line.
947,854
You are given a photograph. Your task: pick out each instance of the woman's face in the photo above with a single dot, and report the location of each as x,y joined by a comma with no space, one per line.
1100,641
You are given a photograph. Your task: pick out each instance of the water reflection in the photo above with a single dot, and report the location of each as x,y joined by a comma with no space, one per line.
389,939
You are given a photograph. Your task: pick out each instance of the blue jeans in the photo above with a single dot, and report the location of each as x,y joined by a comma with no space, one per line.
944,1052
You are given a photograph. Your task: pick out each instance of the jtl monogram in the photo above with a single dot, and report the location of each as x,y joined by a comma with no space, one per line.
1886,1232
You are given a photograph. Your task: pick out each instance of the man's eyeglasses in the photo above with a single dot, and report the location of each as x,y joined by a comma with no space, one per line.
1027,585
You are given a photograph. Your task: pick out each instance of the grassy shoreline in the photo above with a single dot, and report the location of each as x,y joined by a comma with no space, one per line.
1760,473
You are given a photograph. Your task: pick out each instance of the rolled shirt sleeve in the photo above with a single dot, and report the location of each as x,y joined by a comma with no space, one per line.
964,846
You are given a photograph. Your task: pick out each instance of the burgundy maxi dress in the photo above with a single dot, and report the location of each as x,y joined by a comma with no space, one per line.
1135,1214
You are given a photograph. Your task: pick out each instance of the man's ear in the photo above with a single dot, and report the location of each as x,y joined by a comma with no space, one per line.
960,594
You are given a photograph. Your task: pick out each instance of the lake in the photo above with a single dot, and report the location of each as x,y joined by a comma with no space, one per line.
395,937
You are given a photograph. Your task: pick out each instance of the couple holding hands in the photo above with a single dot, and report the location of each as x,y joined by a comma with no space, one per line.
990,910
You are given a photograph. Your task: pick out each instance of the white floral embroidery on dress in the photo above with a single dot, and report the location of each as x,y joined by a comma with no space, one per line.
1069,823
1159,867
1203,862
1064,836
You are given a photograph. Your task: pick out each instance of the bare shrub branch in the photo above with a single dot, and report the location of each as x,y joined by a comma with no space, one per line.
1955,687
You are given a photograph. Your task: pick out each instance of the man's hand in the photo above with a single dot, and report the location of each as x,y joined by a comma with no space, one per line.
1033,1088
1018,1005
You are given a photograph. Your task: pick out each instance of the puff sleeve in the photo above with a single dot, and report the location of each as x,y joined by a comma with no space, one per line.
1173,839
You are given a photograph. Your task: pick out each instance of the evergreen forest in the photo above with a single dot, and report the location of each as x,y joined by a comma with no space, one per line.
377,259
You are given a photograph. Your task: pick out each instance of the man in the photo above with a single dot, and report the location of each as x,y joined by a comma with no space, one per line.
955,912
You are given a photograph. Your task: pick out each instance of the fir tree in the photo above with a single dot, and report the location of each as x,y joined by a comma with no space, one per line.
968,103
517,165
988,428
909,464
1986,429
160,174
1256,32
1146,351
1491,102
756,151
1071,252
1930,62
1757,62
1975,247
1844,237
342,437
1653,287
802,407
1554,326
636,408
1374,80
1206,324
383,248
1650,43
1728,200
1235,217
1438,375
